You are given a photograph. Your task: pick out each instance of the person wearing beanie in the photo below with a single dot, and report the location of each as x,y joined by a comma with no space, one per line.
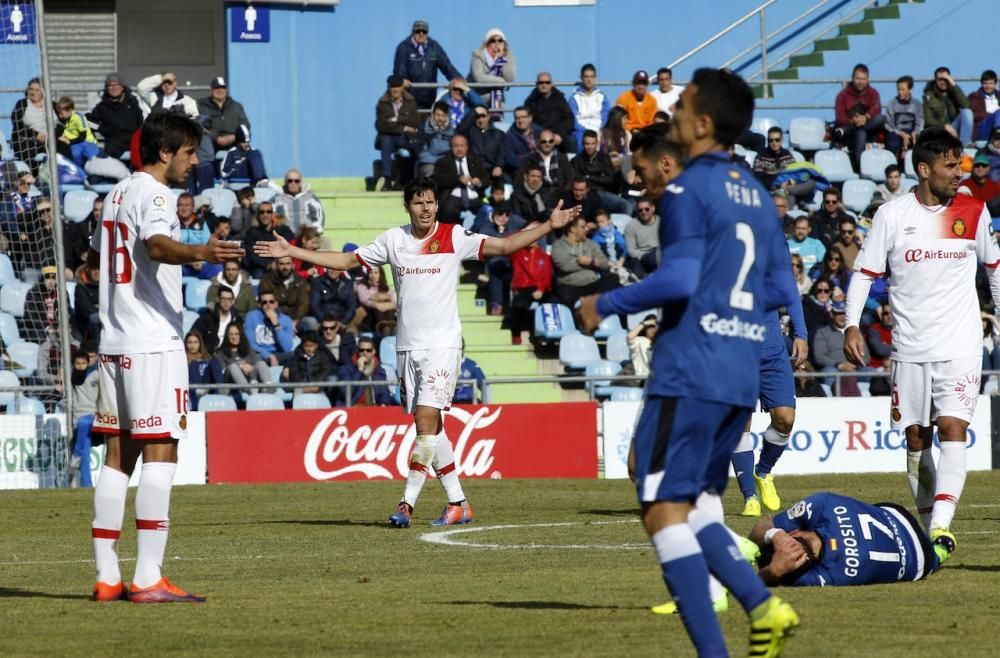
493,63
118,115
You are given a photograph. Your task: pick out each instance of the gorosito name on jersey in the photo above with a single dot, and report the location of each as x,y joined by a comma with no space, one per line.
426,279
931,255
141,305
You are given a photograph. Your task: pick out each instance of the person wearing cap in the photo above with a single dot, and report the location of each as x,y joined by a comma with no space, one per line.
985,105
904,118
981,186
828,348
493,63
551,111
397,120
418,59
640,106
159,91
117,115
223,115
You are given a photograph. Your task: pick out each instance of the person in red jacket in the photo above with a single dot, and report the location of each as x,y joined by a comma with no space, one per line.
880,338
531,282
858,114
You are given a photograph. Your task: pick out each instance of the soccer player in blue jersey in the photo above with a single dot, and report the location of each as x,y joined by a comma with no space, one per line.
724,265
828,539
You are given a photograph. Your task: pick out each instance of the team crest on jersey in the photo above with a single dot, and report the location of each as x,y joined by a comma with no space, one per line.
896,416
958,228
160,202
734,174
433,246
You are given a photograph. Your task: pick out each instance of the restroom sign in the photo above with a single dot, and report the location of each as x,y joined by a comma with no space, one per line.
250,24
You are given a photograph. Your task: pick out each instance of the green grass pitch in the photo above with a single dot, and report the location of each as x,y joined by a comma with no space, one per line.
313,569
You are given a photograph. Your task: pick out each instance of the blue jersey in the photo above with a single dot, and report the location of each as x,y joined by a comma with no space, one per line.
724,264
862,544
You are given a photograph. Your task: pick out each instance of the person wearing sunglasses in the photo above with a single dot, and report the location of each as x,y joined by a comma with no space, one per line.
269,332
418,58
556,172
366,370
495,64
299,204
776,157
848,243
160,90
826,220
551,111
486,141
832,268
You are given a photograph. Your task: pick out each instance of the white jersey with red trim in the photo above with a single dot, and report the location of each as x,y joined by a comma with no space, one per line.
425,273
930,254
141,306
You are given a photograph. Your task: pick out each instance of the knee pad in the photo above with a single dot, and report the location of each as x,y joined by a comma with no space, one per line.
423,449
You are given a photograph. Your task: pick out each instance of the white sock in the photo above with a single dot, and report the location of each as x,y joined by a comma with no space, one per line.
417,476
711,504
152,520
922,476
444,466
950,482
109,511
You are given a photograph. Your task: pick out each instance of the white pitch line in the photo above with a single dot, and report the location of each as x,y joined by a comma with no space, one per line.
232,558
982,505
445,538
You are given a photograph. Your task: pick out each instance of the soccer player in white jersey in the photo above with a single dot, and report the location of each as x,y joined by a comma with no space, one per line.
929,241
426,259
143,375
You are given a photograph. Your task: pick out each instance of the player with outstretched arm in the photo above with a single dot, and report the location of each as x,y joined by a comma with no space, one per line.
930,241
426,256
724,264
143,375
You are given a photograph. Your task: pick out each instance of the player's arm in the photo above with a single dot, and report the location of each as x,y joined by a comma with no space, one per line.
279,248
868,266
783,282
989,254
165,250
506,246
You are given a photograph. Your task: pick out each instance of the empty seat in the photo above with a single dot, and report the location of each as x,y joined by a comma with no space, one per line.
599,368
625,393
874,162
798,156
196,293
835,164
909,183
222,200
908,165
8,329
807,134
7,273
577,350
391,376
216,402
749,157
8,379
190,317
264,194
12,297
310,401
25,355
77,204
387,351
264,402
554,321
858,194
609,326
763,124
616,348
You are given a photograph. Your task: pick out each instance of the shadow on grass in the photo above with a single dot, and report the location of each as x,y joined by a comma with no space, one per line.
543,605
14,593
333,522
990,568
629,511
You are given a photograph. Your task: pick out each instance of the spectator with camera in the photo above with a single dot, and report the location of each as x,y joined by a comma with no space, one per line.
369,377
291,290
418,59
858,112
397,120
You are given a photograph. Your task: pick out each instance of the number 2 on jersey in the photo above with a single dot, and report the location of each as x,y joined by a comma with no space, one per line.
738,297
121,274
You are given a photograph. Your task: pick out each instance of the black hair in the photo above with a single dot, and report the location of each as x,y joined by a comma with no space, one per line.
832,190
33,81
243,349
244,193
776,129
988,74
859,67
654,143
661,117
767,555
580,179
521,108
185,195
942,69
664,69
907,80
440,105
892,169
166,132
589,133
727,99
416,187
533,166
587,67
223,289
934,143
309,335
501,208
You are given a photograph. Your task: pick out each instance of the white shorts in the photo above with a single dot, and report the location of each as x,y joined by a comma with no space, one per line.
428,377
922,392
144,396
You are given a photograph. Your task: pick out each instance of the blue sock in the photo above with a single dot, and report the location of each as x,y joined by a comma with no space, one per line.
743,465
771,450
726,563
686,576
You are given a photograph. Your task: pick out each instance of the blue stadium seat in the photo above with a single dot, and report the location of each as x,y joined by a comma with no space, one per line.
286,396
7,273
216,402
100,188
625,393
908,165
25,405
222,200
196,293
554,321
798,156
392,376
835,164
21,166
8,378
609,326
616,348
77,204
264,194
12,297
908,183
24,354
762,124
264,402
874,162
577,350
858,194
8,329
387,351
6,152
310,401
807,134
190,317
620,220
602,367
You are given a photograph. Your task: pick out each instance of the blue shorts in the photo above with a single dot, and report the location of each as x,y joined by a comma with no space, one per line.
683,447
777,385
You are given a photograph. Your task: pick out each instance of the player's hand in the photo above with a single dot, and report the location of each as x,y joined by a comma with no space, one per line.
854,346
561,217
219,251
589,318
800,351
276,248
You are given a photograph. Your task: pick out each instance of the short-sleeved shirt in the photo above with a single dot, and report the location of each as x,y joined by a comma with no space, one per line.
931,254
425,274
141,305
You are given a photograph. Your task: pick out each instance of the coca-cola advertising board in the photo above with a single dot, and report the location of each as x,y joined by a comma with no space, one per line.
490,441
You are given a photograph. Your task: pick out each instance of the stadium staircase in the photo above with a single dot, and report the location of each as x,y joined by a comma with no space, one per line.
354,215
